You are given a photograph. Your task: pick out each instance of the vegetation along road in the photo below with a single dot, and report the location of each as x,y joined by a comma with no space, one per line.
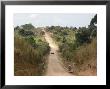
55,50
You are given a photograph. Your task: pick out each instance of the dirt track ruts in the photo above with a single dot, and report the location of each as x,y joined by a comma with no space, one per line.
54,64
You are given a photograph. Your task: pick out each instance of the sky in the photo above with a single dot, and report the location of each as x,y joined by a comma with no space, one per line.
56,19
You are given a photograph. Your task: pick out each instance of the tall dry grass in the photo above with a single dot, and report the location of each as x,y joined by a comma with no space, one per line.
84,61
27,60
86,52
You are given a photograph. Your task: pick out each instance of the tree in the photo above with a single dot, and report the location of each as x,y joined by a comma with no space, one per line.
31,40
28,26
21,31
94,20
64,39
25,32
17,28
82,36
93,26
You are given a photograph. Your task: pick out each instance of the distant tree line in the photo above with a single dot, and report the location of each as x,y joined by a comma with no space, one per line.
70,38
25,30
30,51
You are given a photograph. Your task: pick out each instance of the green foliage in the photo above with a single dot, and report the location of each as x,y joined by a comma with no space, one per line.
93,26
94,20
17,28
28,26
31,41
21,32
27,58
83,36
25,30
25,33
77,45
29,52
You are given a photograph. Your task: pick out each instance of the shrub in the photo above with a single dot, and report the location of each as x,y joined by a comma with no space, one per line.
23,32
28,60
28,26
83,36
85,54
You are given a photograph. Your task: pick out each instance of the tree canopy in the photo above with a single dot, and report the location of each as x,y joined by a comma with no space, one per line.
28,26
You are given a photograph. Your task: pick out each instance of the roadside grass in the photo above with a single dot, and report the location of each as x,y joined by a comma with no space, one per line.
84,60
29,61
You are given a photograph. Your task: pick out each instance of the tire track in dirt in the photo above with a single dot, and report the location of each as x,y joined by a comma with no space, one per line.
54,64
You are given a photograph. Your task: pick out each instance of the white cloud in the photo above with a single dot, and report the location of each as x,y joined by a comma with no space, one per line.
33,16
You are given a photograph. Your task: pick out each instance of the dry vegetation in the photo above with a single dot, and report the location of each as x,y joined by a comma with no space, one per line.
84,60
30,54
78,47
28,61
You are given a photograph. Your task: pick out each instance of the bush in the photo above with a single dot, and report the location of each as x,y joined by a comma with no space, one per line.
31,40
25,33
86,52
27,59
78,47
27,26
83,36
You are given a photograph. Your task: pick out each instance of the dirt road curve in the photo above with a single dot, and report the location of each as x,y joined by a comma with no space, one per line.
54,66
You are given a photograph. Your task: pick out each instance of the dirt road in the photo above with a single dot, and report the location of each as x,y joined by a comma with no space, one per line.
54,64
